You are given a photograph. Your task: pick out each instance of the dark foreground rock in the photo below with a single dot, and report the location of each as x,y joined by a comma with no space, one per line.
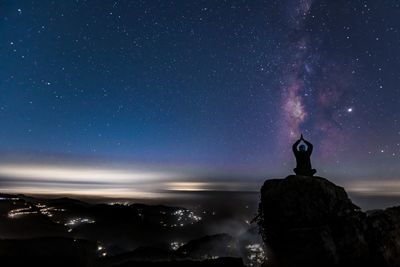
309,221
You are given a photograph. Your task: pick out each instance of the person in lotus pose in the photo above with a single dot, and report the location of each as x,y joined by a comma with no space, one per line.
302,154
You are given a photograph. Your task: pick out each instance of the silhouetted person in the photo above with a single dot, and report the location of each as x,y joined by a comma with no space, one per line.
302,154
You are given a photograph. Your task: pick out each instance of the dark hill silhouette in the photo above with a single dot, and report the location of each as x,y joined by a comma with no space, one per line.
211,246
220,262
141,254
47,252
57,251
138,225
66,201
29,226
42,235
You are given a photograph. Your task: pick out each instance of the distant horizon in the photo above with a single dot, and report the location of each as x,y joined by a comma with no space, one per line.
197,198
109,182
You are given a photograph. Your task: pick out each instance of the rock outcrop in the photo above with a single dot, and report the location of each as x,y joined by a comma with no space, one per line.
309,221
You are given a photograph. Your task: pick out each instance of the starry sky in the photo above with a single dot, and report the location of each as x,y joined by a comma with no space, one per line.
200,90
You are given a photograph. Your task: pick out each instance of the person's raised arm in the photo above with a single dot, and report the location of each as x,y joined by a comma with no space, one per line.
294,147
309,146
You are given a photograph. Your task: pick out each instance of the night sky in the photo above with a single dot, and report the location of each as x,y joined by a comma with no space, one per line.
197,90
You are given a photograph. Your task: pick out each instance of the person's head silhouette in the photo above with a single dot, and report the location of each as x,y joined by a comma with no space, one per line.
302,148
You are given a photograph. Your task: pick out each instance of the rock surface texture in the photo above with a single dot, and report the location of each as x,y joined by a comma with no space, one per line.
309,221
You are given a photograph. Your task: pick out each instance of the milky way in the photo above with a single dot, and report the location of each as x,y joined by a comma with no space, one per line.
295,73
313,85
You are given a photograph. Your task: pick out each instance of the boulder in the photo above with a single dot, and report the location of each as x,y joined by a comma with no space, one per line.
310,221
